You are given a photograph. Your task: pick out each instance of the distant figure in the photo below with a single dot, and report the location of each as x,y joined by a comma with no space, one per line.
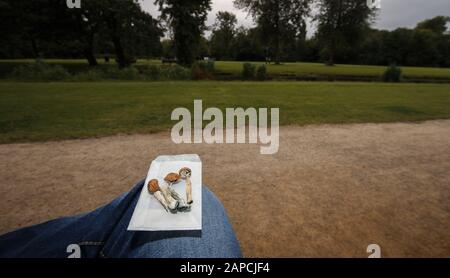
106,59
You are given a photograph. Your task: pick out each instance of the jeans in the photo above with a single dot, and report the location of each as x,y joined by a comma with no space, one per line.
103,233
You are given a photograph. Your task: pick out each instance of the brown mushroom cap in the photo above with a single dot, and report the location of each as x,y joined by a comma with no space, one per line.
153,186
185,172
172,178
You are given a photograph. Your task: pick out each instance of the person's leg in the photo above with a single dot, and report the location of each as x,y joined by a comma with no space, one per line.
216,240
103,233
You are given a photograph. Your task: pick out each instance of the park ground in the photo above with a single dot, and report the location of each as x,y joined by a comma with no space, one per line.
71,110
330,192
359,163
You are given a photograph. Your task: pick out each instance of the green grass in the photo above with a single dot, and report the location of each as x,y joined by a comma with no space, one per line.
55,111
321,69
286,69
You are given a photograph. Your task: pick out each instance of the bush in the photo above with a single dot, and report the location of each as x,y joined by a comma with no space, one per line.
261,73
128,73
40,71
392,74
90,75
152,72
175,73
203,70
248,71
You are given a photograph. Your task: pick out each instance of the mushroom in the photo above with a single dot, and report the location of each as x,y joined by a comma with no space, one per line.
173,204
155,190
172,178
185,174
182,205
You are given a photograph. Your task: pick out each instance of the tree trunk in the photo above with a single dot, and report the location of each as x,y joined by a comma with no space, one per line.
331,51
90,58
118,47
331,58
333,41
120,53
89,51
277,35
35,48
277,50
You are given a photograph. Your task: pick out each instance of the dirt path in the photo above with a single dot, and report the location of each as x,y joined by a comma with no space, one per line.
330,191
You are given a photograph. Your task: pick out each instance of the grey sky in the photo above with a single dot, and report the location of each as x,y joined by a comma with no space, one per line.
393,13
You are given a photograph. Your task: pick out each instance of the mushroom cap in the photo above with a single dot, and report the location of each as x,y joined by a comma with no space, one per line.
185,172
172,178
153,186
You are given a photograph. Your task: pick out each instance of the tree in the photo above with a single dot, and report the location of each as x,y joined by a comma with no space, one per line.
187,21
248,46
371,51
437,24
78,27
144,36
167,48
424,49
281,21
130,30
47,28
223,34
25,21
342,24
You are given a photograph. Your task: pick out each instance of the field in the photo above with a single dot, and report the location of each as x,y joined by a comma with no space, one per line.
287,71
359,163
321,69
56,111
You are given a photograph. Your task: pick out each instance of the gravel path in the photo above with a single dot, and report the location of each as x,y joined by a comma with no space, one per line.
331,190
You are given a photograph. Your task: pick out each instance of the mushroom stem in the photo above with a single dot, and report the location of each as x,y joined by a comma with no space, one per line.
182,205
185,173
155,190
159,196
189,190
173,204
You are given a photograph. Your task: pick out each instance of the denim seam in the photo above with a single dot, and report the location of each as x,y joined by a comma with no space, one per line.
92,243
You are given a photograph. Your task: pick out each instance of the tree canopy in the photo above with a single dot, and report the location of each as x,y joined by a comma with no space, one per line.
283,22
186,19
121,29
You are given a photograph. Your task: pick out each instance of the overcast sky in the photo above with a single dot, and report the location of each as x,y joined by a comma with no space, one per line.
393,13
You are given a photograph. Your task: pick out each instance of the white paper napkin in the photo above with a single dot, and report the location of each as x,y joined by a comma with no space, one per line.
149,215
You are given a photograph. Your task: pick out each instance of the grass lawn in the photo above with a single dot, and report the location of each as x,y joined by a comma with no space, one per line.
286,69
54,111
321,69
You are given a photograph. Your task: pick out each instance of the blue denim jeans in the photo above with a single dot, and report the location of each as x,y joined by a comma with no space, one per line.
103,233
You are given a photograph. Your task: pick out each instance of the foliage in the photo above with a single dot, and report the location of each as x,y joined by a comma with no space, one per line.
203,70
223,36
282,22
40,71
437,24
47,28
122,31
187,22
261,73
248,45
248,71
175,73
392,74
341,25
